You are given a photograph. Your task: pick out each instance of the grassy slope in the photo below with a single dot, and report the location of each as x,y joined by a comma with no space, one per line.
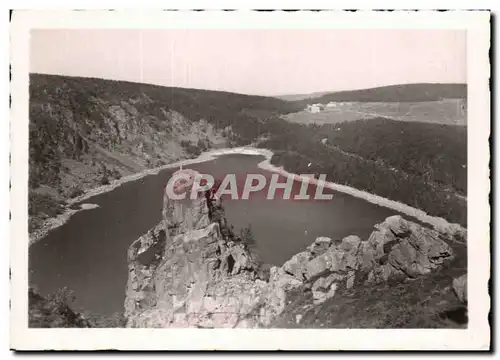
394,93
448,111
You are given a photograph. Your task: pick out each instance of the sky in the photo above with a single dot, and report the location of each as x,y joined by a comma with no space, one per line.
261,62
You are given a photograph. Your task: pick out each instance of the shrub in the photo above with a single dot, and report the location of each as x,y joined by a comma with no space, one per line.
62,297
75,191
116,320
247,237
42,203
115,174
192,150
53,311
104,180
203,145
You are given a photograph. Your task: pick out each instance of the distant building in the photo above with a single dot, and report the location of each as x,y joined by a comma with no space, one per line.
331,105
314,108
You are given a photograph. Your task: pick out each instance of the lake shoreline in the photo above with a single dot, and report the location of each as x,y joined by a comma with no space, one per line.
439,224
55,222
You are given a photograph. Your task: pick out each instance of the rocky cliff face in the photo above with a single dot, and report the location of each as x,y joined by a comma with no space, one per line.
87,132
185,272
192,271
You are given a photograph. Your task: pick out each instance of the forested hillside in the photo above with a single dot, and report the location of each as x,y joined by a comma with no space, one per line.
85,132
393,93
421,165
435,152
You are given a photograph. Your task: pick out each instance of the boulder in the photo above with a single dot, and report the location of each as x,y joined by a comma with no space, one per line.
240,258
319,264
343,258
323,240
324,283
319,246
319,284
451,231
406,246
280,279
350,243
296,266
321,296
460,288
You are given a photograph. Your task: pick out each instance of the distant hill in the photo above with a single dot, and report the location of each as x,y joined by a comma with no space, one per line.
392,93
295,97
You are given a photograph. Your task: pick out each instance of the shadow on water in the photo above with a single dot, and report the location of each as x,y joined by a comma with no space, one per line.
88,253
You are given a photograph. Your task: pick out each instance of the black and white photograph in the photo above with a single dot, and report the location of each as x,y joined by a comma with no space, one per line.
216,175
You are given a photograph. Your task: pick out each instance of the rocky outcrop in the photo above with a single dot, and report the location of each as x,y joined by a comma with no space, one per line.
397,249
185,273
192,271
296,266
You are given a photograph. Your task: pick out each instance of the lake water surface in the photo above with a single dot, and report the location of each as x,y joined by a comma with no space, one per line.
88,254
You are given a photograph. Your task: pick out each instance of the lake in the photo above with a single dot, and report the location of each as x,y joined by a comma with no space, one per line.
88,254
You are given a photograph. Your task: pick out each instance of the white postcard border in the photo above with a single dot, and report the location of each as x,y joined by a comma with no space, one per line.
477,336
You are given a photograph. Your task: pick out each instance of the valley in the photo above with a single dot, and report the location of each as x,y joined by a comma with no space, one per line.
90,133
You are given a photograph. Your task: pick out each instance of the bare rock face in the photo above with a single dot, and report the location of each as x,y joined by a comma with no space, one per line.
339,258
320,296
408,247
198,281
186,214
297,264
396,249
319,246
186,273
191,271
451,231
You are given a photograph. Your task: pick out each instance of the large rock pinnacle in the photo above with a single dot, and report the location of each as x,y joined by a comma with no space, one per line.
191,270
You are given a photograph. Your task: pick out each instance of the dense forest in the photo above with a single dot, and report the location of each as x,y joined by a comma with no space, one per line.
418,164
435,152
218,107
